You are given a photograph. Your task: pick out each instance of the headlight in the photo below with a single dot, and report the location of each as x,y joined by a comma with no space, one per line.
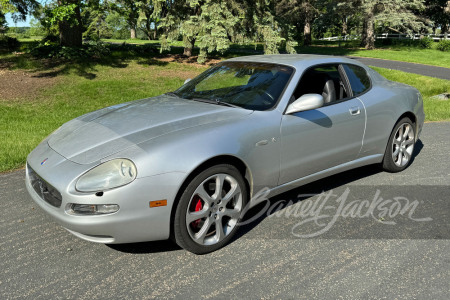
111,174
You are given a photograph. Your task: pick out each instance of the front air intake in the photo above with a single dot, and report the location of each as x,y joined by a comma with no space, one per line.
45,191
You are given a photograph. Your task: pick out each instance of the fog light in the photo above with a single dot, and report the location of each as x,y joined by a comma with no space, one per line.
93,209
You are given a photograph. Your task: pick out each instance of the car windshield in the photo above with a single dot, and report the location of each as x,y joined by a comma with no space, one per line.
250,85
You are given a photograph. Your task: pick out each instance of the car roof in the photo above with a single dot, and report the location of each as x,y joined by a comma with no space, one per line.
298,61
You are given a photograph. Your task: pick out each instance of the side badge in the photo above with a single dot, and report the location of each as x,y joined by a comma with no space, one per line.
43,162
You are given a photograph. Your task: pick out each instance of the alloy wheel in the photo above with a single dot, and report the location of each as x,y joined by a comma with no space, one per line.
214,209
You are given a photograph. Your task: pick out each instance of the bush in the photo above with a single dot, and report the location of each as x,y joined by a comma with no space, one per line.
443,45
50,38
398,42
9,43
91,49
96,49
426,42
20,35
385,42
134,49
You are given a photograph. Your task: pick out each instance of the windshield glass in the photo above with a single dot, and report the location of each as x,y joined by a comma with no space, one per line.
250,85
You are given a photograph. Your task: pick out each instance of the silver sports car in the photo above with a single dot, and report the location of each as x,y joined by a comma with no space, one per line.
186,165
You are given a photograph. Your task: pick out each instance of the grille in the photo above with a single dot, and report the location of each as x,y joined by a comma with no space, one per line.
47,192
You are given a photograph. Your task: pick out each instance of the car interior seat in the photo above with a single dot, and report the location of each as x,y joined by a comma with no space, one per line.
329,91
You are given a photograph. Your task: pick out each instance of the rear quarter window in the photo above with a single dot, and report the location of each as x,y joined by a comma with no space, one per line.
359,80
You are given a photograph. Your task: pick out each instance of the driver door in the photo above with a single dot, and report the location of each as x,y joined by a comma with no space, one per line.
318,139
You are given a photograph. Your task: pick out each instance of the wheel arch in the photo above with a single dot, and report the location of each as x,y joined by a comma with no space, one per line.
213,161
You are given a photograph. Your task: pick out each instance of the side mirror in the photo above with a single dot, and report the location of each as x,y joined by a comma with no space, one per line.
305,102
187,80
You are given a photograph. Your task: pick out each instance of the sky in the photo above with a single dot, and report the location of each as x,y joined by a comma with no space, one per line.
22,24
19,24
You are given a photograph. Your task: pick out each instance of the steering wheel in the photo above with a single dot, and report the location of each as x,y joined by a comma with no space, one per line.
268,97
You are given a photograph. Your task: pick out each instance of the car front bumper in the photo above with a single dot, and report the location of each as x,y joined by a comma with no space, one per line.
135,221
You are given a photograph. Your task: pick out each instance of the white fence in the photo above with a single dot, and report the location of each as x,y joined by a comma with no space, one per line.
435,37
342,38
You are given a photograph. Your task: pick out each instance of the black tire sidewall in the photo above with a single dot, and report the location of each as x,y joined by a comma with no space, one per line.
181,235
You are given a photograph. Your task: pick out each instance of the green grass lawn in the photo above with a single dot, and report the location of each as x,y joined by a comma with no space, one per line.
25,122
81,87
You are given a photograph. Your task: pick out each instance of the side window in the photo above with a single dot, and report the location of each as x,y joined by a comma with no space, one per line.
324,80
359,80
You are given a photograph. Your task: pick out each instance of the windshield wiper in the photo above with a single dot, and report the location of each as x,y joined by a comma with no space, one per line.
215,101
226,104
173,94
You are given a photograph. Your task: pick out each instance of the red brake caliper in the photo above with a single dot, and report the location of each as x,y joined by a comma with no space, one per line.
198,207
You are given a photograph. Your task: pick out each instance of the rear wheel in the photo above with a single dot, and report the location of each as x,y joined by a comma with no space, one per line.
400,147
209,210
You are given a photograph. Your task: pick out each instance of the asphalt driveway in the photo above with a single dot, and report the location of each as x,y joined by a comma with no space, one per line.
376,236
427,70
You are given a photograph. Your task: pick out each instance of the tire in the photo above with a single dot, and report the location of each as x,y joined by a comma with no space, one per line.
202,210
400,147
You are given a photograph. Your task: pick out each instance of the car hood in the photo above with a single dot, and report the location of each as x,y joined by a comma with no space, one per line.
99,134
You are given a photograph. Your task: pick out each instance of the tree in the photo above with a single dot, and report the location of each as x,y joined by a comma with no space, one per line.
310,11
66,14
301,14
117,25
130,10
214,24
36,28
179,18
291,12
438,11
337,17
147,18
18,8
94,16
3,24
397,13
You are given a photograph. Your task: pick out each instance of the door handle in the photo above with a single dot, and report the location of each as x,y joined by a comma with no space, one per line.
355,110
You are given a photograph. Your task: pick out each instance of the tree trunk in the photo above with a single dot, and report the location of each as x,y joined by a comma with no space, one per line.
188,49
364,33
133,33
444,28
71,35
344,26
155,33
370,42
368,35
148,21
147,28
307,32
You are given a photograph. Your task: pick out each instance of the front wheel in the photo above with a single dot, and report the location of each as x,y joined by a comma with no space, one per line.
209,210
400,147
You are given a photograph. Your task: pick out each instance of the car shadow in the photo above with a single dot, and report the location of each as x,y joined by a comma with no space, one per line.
258,213
417,149
146,247
316,187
